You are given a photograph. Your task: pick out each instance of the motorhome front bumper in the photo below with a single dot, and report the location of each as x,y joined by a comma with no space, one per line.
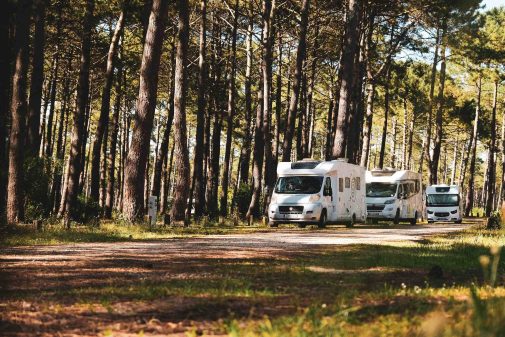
375,211
443,215
294,213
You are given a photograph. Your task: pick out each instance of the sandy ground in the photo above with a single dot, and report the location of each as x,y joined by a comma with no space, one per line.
27,271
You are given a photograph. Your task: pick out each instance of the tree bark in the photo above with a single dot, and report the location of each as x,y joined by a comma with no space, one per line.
15,188
491,179
105,109
198,185
427,140
245,152
37,80
48,152
163,148
297,82
471,181
350,47
5,62
182,180
434,162
133,198
230,116
386,116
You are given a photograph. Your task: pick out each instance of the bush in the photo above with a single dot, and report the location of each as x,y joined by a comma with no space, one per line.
243,198
36,184
86,211
494,222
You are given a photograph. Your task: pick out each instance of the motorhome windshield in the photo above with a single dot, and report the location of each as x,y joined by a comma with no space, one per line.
442,200
380,190
299,185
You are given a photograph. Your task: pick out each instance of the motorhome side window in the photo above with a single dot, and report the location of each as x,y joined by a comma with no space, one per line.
327,187
340,184
347,182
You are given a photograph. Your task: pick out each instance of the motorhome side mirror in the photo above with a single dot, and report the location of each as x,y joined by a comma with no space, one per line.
327,192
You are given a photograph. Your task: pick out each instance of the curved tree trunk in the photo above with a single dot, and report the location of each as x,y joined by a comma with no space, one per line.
104,109
133,198
15,188
182,180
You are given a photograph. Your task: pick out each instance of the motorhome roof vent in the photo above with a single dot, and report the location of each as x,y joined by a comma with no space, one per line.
304,165
443,189
383,173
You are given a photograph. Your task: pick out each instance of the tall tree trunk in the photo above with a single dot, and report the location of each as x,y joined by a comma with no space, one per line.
427,139
471,181
230,116
197,184
278,99
270,165
491,179
297,81
394,143
37,80
139,149
182,180
350,47
163,148
5,62
404,133
114,127
386,117
367,129
329,123
434,162
48,152
245,152
502,190
103,120
15,188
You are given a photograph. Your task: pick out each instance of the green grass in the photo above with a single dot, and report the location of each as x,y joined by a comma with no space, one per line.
107,231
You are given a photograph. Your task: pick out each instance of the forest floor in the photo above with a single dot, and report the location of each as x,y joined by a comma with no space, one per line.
367,281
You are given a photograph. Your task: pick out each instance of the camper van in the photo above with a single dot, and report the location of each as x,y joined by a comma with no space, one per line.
443,203
394,195
318,192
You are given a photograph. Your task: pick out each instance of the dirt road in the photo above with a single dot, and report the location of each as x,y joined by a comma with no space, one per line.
32,279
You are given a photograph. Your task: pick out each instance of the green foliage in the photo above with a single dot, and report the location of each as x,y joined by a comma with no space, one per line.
86,210
36,184
243,198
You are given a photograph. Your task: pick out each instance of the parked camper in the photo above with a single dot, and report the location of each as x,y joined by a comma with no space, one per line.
394,195
443,203
318,192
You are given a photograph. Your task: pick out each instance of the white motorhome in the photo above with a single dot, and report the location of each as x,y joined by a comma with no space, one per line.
443,203
394,195
318,192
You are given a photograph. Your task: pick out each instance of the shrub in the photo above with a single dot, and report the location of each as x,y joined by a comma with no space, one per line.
36,183
243,198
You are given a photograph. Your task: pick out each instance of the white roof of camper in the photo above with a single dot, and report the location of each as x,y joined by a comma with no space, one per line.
319,168
390,175
453,189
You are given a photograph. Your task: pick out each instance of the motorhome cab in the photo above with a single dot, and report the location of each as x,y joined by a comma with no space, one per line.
318,192
393,195
443,203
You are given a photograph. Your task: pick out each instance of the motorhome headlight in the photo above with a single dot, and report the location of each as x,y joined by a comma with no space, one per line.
430,212
390,201
454,212
273,199
314,197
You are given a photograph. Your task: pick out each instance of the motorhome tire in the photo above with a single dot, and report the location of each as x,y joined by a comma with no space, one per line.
396,220
322,219
458,221
413,221
273,224
302,225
